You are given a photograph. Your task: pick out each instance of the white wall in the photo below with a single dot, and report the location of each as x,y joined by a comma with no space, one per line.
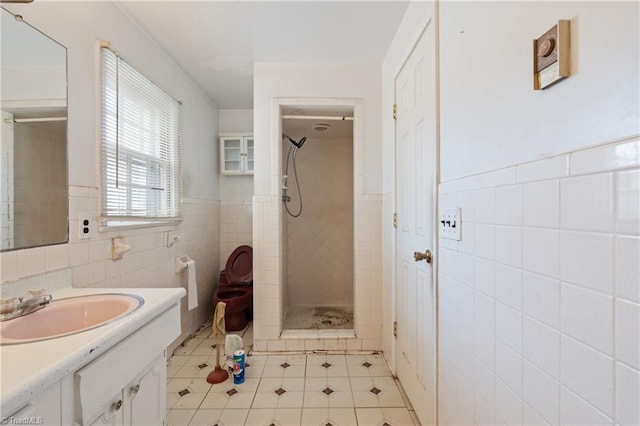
491,117
236,120
235,188
79,26
316,81
530,332
236,192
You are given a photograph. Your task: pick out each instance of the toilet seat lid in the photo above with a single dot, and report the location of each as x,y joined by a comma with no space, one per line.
239,267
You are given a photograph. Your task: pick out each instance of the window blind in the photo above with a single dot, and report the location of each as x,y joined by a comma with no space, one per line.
141,130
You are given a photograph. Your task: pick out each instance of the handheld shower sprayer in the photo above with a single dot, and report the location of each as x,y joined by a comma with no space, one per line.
285,197
293,149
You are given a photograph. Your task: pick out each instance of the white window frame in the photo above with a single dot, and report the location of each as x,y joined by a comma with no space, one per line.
141,157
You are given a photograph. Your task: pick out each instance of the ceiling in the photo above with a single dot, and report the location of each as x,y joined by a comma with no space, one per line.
297,129
333,116
217,42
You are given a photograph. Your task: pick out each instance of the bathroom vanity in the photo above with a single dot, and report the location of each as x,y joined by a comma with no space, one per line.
114,374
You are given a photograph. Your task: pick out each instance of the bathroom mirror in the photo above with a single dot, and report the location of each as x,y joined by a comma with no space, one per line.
34,192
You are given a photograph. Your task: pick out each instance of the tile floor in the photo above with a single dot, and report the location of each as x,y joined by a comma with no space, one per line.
302,389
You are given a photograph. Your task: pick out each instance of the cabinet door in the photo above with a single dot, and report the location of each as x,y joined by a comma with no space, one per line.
248,154
146,395
42,409
231,155
112,413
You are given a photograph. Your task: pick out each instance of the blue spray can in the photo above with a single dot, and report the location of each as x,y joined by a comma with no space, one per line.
238,367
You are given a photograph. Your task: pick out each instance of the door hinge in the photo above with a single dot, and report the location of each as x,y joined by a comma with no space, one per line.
395,111
395,329
395,220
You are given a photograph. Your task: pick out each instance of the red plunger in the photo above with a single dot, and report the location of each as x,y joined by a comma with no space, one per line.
218,375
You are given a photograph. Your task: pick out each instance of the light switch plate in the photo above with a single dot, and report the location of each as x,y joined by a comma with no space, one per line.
450,224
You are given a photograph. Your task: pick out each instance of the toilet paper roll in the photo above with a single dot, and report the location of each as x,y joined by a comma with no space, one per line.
192,286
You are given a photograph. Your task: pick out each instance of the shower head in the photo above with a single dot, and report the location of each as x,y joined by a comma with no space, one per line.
297,144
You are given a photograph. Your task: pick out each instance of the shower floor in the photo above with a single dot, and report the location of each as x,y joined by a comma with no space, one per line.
318,318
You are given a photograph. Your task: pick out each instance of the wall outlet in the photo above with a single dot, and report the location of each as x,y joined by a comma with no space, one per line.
450,224
85,226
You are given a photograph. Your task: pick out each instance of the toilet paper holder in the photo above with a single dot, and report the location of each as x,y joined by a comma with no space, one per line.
181,263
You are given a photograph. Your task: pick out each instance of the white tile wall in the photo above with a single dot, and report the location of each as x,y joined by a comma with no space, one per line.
542,393
541,299
576,411
627,333
508,286
320,256
148,264
627,395
587,316
236,227
541,204
541,346
587,260
627,273
541,251
588,373
587,202
628,198
543,322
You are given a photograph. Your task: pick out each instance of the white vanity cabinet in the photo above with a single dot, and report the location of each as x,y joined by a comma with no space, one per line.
124,385
146,397
140,402
127,384
42,409
236,154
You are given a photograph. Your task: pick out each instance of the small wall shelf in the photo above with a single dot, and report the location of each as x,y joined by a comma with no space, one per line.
236,154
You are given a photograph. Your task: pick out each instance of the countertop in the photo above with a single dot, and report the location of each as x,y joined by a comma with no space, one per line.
28,368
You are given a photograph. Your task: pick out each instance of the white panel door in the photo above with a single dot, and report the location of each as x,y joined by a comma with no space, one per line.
416,132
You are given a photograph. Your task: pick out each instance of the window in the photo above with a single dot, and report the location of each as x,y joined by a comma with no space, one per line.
141,130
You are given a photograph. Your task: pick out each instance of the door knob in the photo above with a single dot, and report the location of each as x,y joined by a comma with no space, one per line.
426,256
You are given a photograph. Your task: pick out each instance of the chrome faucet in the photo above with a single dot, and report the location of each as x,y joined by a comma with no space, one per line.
15,307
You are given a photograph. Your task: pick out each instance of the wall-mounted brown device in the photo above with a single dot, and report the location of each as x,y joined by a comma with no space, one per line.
551,56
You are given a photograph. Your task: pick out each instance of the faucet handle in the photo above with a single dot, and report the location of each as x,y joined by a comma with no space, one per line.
34,294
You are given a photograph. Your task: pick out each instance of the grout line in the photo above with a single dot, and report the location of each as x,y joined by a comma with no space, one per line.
304,378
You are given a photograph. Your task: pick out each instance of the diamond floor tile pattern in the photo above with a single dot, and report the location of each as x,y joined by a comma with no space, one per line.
284,390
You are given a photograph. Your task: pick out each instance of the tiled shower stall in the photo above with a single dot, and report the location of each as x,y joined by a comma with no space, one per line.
318,244
267,282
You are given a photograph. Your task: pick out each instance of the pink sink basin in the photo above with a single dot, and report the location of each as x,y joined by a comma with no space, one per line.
68,316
